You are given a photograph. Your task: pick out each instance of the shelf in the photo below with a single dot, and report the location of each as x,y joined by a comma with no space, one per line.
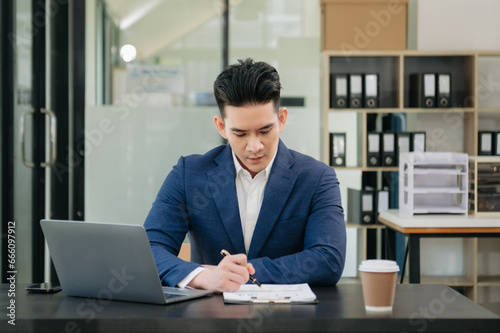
452,281
485,158
472,99
488,110
425,190
381,169
374,110
438,209
367,168
364,226
438,110
430,171
406,53
488,281
475,107
406,110
419,164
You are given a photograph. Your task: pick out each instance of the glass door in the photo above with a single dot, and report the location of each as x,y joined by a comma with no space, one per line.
39,118
28,148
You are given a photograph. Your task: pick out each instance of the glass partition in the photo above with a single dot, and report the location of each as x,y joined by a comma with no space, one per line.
155,107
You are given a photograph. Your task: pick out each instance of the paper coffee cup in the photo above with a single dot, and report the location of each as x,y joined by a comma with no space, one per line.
378,280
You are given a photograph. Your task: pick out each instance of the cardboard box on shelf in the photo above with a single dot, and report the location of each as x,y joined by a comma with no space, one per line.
357,25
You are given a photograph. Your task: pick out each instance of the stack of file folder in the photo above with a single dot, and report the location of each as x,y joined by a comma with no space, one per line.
430,90
383,149
364,205
354,90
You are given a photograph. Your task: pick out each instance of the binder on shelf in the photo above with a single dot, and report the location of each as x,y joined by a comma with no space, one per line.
355,91
423,90
370,97
388,149
403,144
486,143
497,143
417,143
337,149
382,202
360,208
339,91
443,87
373,149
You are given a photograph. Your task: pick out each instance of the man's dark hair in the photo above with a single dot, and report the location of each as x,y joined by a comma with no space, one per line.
247,83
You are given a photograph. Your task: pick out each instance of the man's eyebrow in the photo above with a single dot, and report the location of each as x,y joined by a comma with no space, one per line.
268,126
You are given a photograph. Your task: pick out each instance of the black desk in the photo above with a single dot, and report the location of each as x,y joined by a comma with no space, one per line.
422,308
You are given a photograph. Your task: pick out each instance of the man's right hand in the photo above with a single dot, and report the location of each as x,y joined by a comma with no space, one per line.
228,275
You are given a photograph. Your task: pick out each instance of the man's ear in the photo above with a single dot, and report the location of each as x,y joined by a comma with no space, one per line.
282,116
219,124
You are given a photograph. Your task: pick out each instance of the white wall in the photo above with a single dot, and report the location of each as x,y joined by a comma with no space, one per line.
458,25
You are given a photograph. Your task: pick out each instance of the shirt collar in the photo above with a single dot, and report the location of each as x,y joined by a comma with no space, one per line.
267,170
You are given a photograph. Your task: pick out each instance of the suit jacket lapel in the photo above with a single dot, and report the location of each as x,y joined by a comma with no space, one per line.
222,185
278,188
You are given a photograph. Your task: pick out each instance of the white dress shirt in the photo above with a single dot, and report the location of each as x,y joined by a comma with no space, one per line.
250,193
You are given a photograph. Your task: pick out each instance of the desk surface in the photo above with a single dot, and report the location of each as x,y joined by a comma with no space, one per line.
442,223
429,308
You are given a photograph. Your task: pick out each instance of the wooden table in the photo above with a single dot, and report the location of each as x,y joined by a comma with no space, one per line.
442,225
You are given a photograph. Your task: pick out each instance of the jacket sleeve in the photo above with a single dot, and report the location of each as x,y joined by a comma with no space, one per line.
322,260
167,225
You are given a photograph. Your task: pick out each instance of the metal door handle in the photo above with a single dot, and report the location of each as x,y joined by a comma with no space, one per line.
21,139
53,138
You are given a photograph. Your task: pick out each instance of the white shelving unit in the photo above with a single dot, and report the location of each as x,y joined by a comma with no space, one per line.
433,183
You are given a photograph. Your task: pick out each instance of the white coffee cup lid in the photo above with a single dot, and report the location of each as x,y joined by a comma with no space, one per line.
378,266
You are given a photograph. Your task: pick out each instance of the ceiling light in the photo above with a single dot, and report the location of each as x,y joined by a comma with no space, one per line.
128,52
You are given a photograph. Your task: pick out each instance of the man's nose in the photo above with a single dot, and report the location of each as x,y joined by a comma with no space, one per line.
254,144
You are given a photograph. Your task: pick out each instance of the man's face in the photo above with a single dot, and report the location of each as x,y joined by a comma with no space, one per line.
253,133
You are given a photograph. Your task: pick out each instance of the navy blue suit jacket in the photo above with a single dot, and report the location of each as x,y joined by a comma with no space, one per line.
300,232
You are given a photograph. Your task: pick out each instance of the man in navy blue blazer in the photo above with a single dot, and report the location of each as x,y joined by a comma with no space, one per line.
277,211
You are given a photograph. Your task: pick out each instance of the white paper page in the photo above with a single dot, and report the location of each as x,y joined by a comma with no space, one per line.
251,292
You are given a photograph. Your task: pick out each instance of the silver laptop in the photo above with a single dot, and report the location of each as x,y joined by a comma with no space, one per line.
108,261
